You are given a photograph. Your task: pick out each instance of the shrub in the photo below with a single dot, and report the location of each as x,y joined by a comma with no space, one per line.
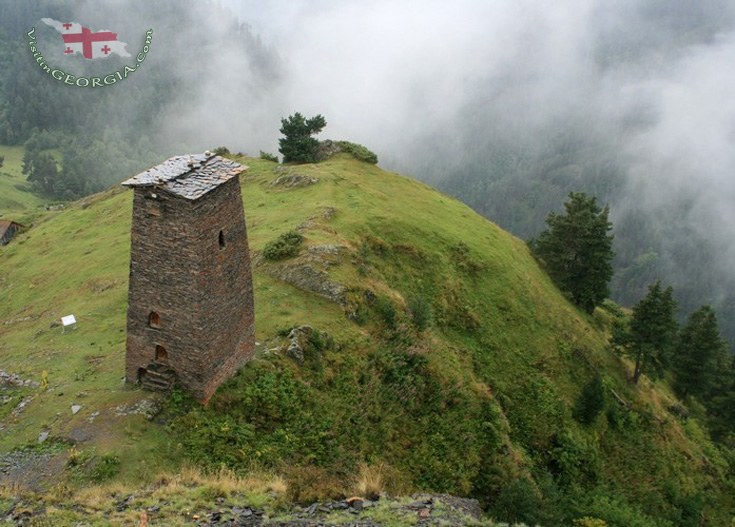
616,512
268,157
387,311
106,468
575,459
318,342
222,151
518,502
285,246
420,310
591,401
359,152
587,521
360,315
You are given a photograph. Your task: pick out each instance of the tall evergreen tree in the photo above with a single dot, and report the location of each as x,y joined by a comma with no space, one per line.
577,250
699,353
297,145
721,401
651,335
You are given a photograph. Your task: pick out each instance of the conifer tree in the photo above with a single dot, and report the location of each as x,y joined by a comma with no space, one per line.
297,145
577,250
651,335
721,401
699,352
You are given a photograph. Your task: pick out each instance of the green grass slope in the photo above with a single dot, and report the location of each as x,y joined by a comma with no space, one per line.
441,358
17,202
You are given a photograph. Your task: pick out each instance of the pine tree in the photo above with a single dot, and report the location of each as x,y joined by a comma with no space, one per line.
577,250
699,353
651,335
721,401
297,145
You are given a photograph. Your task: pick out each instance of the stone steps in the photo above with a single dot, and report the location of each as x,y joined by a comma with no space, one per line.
158,378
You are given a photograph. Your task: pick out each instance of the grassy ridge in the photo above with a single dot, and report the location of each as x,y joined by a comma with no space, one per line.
478,403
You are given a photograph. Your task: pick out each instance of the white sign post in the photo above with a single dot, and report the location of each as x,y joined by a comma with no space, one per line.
68,320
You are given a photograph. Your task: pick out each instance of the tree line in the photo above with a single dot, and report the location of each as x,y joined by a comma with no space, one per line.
577,251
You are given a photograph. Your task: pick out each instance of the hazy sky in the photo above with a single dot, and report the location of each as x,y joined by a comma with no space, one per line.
652,81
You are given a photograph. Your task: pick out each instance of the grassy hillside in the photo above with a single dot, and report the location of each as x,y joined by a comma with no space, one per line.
441,358
17,202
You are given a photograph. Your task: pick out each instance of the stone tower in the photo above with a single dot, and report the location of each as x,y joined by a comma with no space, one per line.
190,302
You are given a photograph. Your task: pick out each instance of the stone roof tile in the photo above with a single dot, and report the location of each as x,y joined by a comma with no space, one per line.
189,176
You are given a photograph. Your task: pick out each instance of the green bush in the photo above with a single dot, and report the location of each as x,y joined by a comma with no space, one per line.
268,157
591,401
588,521
318,342
222,151
285,246
616,512
387,311
420,310
359,152
106,468
575,459
518,502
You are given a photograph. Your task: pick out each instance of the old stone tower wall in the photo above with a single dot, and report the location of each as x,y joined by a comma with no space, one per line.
190,297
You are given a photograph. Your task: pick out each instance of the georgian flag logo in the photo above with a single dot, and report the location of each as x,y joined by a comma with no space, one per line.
78,39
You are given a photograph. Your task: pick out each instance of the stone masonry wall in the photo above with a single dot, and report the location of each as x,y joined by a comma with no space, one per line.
201,291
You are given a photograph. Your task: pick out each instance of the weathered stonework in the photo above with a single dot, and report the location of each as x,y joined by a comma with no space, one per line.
190,302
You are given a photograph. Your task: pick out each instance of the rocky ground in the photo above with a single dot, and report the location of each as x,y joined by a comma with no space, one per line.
444,510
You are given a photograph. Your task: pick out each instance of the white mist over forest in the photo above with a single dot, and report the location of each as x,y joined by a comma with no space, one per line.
508,104
431,86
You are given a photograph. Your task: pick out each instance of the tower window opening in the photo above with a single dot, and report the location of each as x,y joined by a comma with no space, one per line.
154,320
221,239
161,354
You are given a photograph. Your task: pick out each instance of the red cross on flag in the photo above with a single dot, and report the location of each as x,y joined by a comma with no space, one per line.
78,39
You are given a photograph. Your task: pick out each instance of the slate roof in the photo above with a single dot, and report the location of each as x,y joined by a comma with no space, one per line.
5,226
190,176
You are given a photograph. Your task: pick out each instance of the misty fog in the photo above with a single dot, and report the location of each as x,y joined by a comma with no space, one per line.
433,86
